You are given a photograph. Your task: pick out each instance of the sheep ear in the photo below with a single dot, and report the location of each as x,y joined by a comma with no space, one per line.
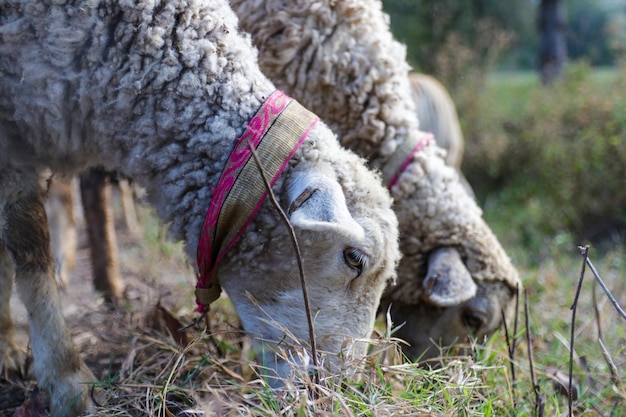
448,282
318,203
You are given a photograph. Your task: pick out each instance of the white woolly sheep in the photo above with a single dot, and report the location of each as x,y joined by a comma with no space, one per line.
161,91
437,114
340,59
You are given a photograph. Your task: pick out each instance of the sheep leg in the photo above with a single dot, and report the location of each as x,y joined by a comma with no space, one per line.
96,197
129,205
56,362
62,226
11,356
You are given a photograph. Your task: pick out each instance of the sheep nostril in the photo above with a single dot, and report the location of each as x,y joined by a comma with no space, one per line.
473,320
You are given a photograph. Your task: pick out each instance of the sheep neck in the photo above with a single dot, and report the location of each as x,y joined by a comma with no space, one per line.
403,156
275,132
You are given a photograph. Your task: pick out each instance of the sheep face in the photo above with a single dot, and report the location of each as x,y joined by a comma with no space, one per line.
428,328
349,251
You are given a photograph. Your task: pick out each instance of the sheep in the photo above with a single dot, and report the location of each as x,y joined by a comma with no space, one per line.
437,114
161,91
340,59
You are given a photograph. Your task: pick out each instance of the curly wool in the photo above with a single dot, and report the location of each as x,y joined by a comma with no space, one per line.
162,90
430,198
357,80
315,50
135,75
437,114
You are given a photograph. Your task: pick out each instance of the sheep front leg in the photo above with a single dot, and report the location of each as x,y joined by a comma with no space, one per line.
11,356
58,367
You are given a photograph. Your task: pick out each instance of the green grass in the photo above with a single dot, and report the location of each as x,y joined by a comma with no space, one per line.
510,91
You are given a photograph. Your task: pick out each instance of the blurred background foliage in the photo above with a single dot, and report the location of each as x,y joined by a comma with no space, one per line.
548,163
596,29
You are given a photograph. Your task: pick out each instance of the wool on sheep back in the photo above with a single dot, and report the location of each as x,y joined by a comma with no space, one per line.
437,114
161,91
340,59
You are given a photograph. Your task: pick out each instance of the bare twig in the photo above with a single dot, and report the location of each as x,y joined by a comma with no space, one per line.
609,361
511,355
305,293
511,342
570,397
515,324
508,343
605,352
602,284
596,310
539,403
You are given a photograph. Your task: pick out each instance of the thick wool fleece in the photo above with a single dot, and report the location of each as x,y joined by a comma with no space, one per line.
430,198
340,59
160,91
437,114
123,85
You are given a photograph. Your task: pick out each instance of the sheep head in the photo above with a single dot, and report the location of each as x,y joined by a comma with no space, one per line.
455,274
428,328
347,236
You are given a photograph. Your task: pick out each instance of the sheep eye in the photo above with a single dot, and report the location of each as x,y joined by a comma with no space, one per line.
355,259
473,320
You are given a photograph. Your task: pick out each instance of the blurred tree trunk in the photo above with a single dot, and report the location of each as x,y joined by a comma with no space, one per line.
553,47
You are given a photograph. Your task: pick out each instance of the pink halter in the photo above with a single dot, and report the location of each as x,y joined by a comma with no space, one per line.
276,132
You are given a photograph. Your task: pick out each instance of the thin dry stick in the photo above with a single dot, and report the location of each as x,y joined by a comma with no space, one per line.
292,233
536,389
609,361
515,324
602,284
511,342
507,338
605,353
510,352
596,310
570,397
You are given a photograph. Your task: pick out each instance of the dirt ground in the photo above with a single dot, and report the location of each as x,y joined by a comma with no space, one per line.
157,280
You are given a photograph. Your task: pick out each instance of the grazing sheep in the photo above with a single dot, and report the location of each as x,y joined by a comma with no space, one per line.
436,113
340,59
161,91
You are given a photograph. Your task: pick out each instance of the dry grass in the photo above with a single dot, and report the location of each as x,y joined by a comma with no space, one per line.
147,367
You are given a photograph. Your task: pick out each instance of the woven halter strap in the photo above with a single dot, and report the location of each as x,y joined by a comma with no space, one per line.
403,156
276,132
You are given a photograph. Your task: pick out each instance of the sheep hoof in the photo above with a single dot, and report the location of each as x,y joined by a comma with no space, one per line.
75,393
12,359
